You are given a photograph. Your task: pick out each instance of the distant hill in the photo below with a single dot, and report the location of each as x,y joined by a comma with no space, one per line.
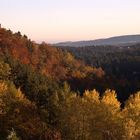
118,40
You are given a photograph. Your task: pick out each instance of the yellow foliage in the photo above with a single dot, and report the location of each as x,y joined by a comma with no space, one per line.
92,95
19,95
134,102
131,131
3,87
78,74
69,57
110,98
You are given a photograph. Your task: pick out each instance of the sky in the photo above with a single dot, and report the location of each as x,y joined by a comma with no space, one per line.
70,20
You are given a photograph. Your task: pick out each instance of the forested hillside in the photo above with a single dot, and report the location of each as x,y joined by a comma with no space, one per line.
44,58
47,94
120,63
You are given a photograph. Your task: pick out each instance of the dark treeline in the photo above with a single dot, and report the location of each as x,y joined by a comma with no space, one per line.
120,63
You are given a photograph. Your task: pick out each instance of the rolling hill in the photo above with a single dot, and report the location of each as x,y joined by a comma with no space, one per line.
118,40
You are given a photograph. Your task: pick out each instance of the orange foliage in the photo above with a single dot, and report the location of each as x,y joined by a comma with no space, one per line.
45,58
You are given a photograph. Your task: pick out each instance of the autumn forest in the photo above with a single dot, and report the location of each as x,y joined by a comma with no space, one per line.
67,93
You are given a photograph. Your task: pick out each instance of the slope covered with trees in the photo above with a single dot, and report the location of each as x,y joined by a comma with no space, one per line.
40,98
120,63
48,60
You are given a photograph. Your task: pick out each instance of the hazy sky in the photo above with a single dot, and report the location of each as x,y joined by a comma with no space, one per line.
64,20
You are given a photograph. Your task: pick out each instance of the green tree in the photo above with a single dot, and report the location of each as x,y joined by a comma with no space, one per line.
19,113
5,71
